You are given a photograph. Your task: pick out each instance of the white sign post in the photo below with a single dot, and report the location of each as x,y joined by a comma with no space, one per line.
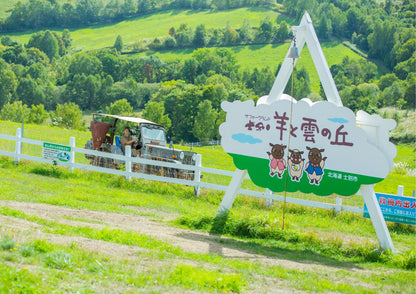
321,148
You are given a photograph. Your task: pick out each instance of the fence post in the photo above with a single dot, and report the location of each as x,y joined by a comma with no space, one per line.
128,161
18,148
338,205
268,200
400,190
197,177
72,153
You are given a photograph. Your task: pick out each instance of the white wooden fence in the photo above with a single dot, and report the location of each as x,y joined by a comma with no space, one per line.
197,182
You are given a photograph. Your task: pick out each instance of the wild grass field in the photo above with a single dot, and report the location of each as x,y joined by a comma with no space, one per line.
90,232
158,24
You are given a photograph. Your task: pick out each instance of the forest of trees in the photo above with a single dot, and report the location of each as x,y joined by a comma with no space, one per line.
45,78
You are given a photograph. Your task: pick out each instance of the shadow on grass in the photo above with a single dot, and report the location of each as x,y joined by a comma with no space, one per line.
218,244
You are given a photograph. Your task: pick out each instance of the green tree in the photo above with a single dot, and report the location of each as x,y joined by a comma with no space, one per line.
68,116
155,112
386,81
205,127
322,30
15,112
183,36
66,38
84,63
402,69
6,41
120,107
85,91
190,70
231,36
118,44
405,51
29,92
410,90
215,94
381,41
282,32
8,85
46,42
181,107
245,32
34,55
38,72
37,114
355,20
265,31
200,36
111,63
391,94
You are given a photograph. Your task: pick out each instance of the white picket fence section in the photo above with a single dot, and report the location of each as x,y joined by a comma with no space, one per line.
197,183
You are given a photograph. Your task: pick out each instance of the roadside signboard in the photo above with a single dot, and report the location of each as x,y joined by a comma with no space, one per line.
56,152
318,144
398,209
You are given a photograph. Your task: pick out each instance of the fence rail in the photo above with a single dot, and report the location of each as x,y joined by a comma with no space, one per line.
198,169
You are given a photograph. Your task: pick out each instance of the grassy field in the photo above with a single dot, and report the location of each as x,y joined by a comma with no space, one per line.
262,56
86,232
5,6
158,24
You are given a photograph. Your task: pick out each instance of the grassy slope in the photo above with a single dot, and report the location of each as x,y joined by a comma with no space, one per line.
210,157
158,24
5,6
261,56
84,190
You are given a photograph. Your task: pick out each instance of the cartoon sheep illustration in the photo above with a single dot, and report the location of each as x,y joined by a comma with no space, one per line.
295,164
277,163
315,166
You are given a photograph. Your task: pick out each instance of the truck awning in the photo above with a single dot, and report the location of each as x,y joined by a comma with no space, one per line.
136,120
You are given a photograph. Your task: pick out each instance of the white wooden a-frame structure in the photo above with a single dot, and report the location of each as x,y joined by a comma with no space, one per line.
376,129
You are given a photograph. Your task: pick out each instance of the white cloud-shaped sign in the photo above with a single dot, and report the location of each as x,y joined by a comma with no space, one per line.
317,146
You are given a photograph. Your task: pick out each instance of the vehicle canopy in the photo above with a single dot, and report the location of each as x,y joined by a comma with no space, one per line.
132,119
99,129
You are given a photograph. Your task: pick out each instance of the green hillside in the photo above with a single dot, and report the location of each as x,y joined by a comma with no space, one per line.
271,55
158,24
5,6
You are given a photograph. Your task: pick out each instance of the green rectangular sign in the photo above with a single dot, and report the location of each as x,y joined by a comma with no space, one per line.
56,152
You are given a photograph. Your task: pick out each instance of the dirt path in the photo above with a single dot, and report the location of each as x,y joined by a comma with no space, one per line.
187,240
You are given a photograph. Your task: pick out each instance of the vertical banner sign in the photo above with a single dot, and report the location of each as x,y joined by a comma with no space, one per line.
398,209
56,152
317,146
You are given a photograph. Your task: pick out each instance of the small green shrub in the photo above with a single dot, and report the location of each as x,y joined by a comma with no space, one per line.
27,250
409,260
59,260
42,246
7,243
50,171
